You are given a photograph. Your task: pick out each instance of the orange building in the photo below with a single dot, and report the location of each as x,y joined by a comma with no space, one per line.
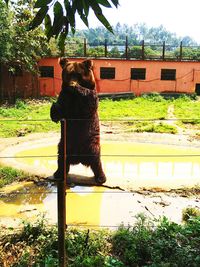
128,76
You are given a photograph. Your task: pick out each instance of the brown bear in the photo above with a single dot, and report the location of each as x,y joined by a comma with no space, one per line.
78,103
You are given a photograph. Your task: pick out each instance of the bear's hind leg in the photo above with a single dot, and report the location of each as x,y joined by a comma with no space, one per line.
97,169
60,170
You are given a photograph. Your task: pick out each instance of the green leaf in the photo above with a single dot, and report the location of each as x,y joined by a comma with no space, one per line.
104,3
115,3
85,7
98,12
58,19
39,17
80,7
42,3
48,26
61,40
84,19
104,21
70,15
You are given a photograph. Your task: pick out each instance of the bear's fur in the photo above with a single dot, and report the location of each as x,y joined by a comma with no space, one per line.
78,103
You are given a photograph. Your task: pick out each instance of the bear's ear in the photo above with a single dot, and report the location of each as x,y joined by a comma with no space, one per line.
88,64
63,61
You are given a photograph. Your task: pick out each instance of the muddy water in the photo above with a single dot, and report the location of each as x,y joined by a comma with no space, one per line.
27,200
129,165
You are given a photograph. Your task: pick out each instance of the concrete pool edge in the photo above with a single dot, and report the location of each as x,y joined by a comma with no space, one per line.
42,140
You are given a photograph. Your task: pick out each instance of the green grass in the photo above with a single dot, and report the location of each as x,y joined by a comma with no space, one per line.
157,243
9,175
33,115
188,111
151,127
137,108
26,117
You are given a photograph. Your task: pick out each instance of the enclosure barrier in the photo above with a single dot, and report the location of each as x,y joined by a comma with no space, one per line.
61,184
129,50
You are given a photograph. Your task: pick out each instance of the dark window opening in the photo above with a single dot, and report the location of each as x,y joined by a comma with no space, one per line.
107,73
46,71
138,73
168,74
197,88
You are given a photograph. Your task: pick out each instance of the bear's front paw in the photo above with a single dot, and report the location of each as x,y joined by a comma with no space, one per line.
55,112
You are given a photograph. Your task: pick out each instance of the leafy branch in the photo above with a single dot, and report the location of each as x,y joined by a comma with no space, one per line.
64,15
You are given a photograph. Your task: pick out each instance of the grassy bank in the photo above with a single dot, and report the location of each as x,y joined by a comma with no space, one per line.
9,175
143,114
147,243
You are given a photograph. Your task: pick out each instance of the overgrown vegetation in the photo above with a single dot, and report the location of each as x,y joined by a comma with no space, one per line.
147,243
145,114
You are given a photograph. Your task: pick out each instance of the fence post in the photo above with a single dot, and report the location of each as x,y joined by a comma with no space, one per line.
126,48
106,48
85,48
142,49
181,50
62,201
163,52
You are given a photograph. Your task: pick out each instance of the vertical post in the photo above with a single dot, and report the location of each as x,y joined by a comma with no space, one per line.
62,201
181,50
163,52
85,48
142,49
106,48
126,48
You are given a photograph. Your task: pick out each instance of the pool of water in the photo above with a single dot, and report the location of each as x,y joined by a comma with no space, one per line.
126,164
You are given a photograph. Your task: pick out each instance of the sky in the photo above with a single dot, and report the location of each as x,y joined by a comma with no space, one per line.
178,16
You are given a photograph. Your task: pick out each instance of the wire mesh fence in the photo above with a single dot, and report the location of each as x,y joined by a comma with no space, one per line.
109,191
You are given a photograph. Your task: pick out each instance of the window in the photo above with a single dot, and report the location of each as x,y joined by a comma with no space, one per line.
46,71
168,74
138,73
197,88
107,73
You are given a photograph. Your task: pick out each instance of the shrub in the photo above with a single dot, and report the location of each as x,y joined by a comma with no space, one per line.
189,213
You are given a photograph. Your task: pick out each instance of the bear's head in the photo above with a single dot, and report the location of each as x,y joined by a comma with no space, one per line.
74,73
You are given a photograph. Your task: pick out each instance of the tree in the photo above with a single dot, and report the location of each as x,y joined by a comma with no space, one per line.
5,33
19,47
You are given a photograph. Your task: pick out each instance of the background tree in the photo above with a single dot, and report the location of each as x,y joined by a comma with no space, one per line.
5,32
19,47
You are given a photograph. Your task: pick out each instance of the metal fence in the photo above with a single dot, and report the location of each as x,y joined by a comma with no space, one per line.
142,51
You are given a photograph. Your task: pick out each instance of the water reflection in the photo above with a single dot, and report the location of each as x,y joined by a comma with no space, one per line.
128,161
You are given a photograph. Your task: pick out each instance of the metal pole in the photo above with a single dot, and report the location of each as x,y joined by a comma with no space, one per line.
142,49
181,50
106,48
126,48
85,48
62,201
163,52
